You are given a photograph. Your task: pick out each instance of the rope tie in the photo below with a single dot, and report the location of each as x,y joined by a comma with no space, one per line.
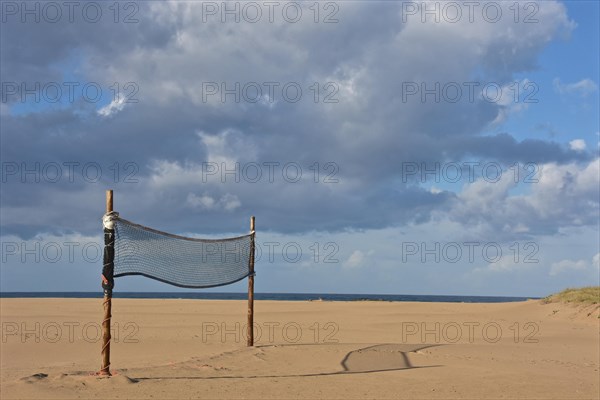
108,220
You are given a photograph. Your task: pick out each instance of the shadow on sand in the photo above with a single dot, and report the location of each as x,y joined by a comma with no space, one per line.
370,359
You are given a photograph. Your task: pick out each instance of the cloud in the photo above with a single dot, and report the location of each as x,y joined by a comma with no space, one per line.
513,99
560,196
358,258
361,141
204,201
228,202
113,107
583,87
227,147
572,266
355,260
508,264
577,145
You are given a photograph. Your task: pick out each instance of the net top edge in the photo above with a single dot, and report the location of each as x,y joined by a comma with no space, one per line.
172,235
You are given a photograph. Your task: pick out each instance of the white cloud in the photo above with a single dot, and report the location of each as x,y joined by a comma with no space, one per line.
564,195
584,87
567,265
356,259
509,262
227,147
577,145
204,201
227,202
171,174
512,99
118,104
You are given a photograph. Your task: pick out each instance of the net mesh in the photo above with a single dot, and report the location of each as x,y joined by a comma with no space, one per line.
178,260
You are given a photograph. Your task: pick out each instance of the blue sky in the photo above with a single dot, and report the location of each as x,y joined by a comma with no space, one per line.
568,59
376,226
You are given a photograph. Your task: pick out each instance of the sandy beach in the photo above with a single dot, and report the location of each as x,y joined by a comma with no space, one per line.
171,349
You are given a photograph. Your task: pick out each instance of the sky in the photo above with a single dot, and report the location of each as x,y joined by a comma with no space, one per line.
444,148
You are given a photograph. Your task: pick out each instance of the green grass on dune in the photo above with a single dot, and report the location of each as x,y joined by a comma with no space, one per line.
586,295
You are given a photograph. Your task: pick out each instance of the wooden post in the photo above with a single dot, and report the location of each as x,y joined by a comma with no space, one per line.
251,289
107,284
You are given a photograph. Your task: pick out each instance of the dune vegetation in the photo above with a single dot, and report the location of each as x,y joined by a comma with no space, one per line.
585,295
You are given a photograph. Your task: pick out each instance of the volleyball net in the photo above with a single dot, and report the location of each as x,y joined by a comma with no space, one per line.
178,260
189,262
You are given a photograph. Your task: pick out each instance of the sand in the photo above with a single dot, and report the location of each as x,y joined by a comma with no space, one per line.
167,349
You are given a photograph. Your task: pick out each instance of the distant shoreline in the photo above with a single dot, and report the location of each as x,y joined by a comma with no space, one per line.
272,296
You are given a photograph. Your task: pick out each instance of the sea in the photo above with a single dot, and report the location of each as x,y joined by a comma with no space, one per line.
269,296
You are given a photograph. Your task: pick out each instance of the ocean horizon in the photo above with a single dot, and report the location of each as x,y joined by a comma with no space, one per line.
272,296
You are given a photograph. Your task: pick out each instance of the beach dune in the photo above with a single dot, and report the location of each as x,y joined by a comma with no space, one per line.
171,348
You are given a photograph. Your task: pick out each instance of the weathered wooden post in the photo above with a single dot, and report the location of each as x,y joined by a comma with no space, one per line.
251,288
107,285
